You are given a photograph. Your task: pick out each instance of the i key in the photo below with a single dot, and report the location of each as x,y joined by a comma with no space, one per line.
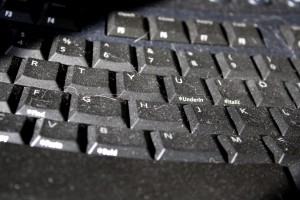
186,147
9,97
145,115
56,135
117,142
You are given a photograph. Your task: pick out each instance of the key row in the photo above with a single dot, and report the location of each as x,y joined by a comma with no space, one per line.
122,142
146,115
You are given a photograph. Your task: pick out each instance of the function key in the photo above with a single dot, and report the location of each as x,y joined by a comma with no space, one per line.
125,24
241,34
167,29
206,32
291,35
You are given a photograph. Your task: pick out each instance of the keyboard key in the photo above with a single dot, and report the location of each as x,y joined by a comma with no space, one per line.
112,56
167,29
88,81
8,68
41,103
243,35
206,32
132,86
156,116
56,135
156,61
229,92
286,150
40,73
237,66
252,121
186,90
186,147
208,120
117,142
275,67
125,24
197,64
9,97
296,62
69,51
16,10
269,94
244,150
291,35
98,110
294,90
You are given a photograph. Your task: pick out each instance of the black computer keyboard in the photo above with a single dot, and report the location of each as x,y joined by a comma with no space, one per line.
195,99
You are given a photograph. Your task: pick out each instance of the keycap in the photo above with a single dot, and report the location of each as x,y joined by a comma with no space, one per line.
166,29
208,120
88,81
98,110
186,90
205,32
117,142
197,63
275,67
242,34
286,150
237,66
127,24
13,128
229,92
294,90
148,115
291,35
156,61
112,56
40,73
186,147
69,51
41,103
9,97
16,10
269,94
250,121
8,68
296,63
56,135
244,150
133,86
27,45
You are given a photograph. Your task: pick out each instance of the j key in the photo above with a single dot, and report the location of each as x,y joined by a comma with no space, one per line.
252,121
112,56
208,120
117,142
132,86
167,29
98,110
17,10
9,97
237,66
88,81
269,94
69,51
39,73
125,24
229,92
244,150
156,61
186,90
291,35
185,147
12,128
243,35
275,67
198,64
26,45
286,150
41,103
294,90
206,32
287,120
8,68
56,135
156,116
